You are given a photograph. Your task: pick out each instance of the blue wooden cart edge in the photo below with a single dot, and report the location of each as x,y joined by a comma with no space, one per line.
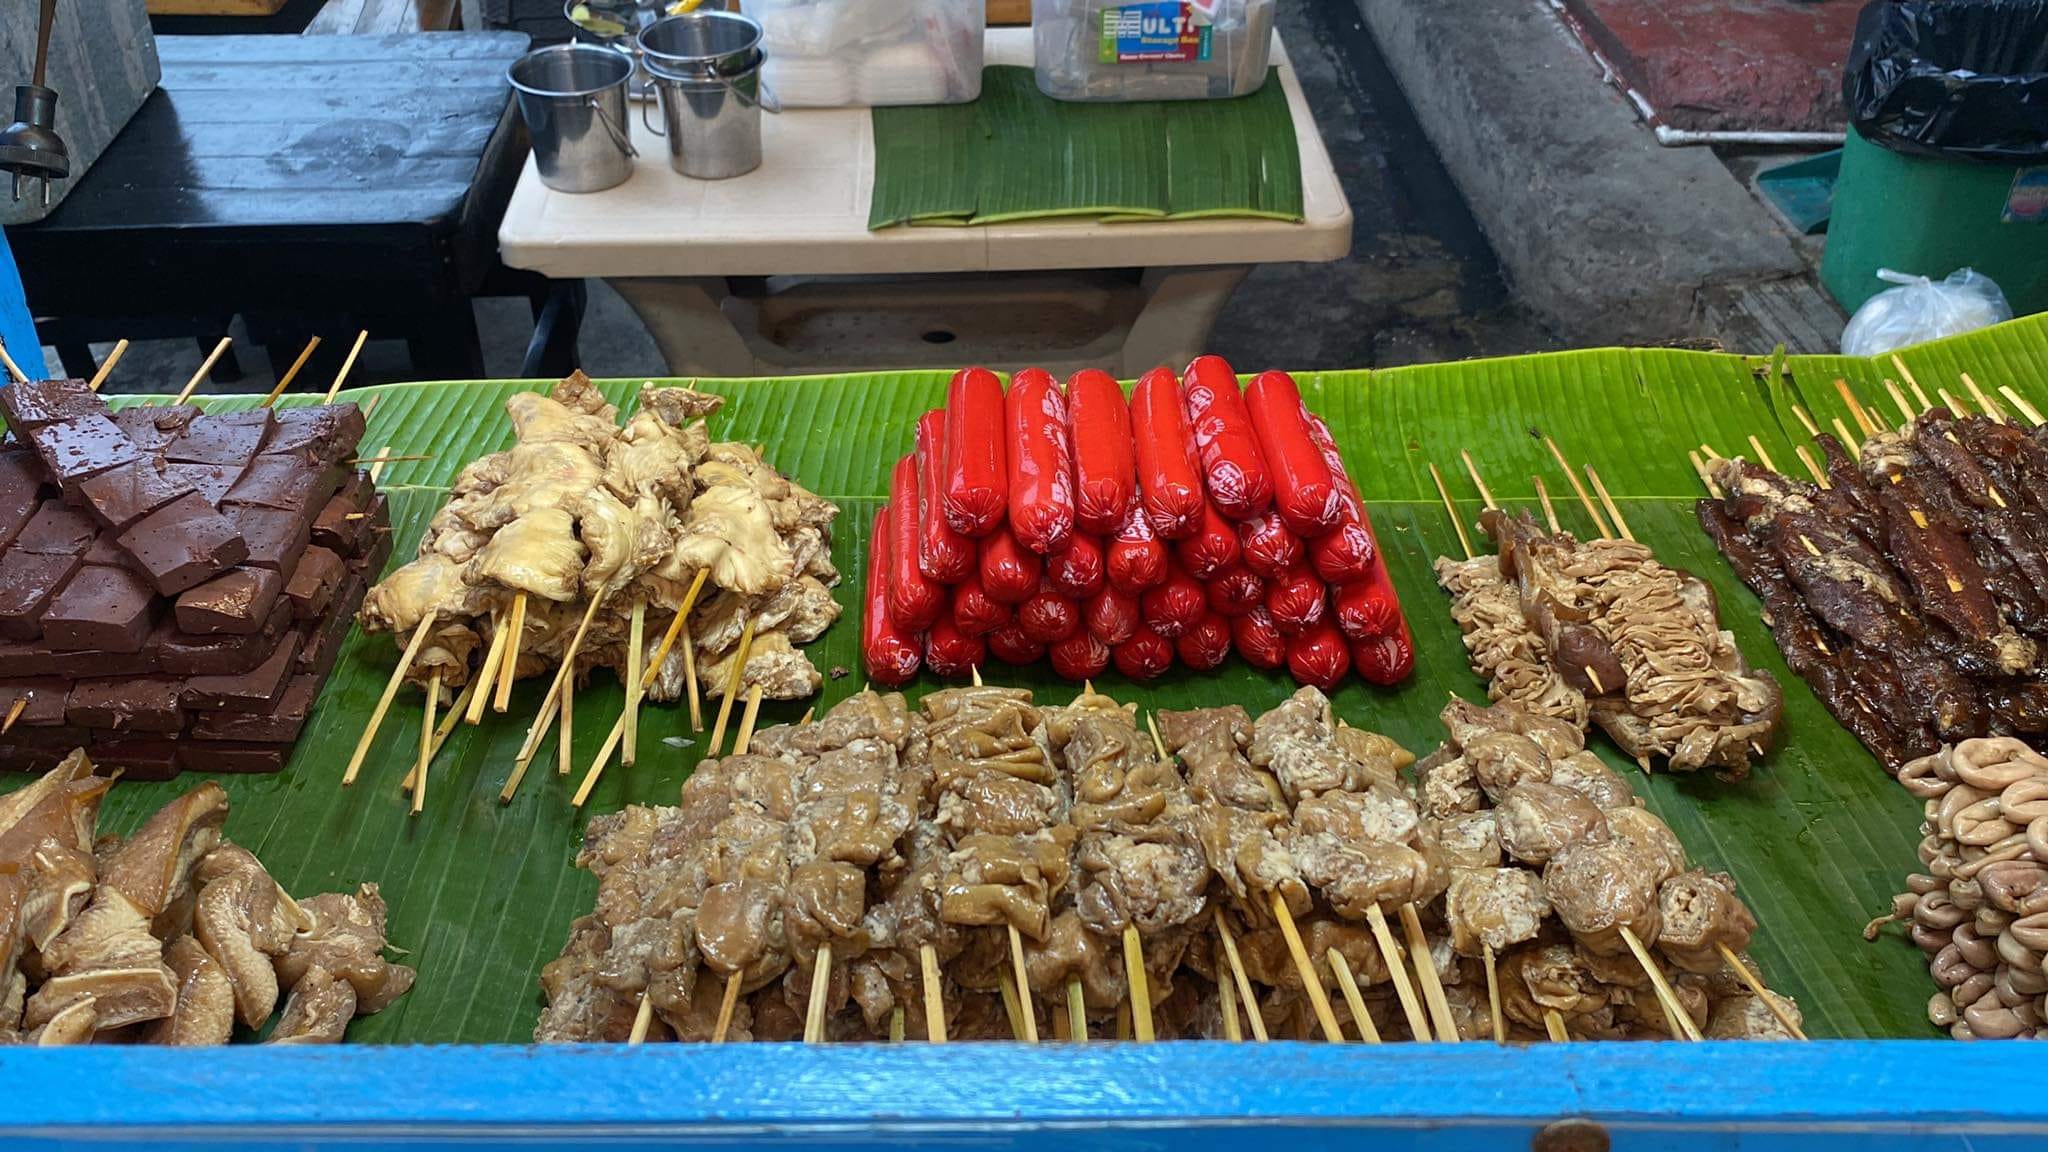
1901,1093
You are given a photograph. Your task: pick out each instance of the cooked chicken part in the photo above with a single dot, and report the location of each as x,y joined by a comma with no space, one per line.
538,419
1352,876
317,1011
1467,722
1599,887
243,925
1297,743
1449,786
1470,840
1655,844
678,407
1210,744
346,937
49,843
205,1012
1539,820
802,608
1494,908
729,530
782,672
537,553
1701,915
652,457
1585,773
1501,760
432,583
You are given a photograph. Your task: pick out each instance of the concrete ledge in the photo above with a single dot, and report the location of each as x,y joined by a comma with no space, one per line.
1606,234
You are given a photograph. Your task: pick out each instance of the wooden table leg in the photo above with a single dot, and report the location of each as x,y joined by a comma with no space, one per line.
694,334
1181,307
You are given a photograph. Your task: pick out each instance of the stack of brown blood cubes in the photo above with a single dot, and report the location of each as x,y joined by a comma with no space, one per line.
1100,532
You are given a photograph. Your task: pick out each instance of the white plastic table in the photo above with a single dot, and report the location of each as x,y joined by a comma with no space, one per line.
691,257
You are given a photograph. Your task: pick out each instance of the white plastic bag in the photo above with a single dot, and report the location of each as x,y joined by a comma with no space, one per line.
1920,310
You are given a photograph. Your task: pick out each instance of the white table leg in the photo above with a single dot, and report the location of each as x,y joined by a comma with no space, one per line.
1181,307
694,334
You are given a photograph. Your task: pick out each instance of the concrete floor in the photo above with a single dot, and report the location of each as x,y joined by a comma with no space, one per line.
1420,284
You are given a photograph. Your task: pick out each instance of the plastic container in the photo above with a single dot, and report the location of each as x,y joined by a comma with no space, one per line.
865,53
1151,49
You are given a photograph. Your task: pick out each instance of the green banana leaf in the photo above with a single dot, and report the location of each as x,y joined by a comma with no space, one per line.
482,895
1018,154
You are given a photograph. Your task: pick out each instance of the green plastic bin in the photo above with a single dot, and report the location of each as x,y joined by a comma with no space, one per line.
1929,217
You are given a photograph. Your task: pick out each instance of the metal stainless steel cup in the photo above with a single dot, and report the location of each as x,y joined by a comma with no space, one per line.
706,67
573,97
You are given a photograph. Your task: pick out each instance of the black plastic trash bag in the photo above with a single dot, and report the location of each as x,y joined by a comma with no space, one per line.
1953,78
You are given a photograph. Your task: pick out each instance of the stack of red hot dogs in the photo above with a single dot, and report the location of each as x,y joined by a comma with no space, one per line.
1189,520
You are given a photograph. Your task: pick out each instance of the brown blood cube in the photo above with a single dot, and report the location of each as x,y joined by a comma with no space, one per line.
256,690
152,426
235,603
376,550
184,543
320,434
277,538
107,609
33,404
21,486
44,700
56,530
121,496
312,586
27,583
280,724
141,756
245,758
284,482
106,549
209,480
323,639
230,438
127,704
81,447
224,654
342,520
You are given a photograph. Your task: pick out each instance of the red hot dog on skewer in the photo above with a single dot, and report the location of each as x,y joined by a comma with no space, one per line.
1009,571
1303,491
942,554
974,612
977,469
1211,549
1167,481
914,598
950,653
1258,640
1267,546
1105,458
1232,466
1318,656
1079,657
1041,464
888,651
1136,559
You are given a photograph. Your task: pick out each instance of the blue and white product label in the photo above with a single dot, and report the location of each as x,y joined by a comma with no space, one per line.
2027,203
1157,31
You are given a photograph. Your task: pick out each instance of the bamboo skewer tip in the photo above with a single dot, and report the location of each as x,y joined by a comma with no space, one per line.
106,368
1404,991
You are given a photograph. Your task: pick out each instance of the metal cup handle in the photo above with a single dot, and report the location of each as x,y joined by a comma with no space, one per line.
652,97
766,99
617,132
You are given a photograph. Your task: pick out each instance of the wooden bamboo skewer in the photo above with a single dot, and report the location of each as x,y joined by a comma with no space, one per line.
1012,1010
1543,498
565,716
1353,999
487,673
285,381
1806,420
725,1008
1444,1024
1312,983
1899,398
1680,1021
1553,1024
896,1025
1856,408
934,994
508,664
13,369
551,705
1077,1011
1905,373
1584,500
1500,1029
411,653
636,651
1141,986
376,468
2032,413
690,683
1990,406
347,363
419,785
1477,482
618,733
205,366
1450,506
106,368
642,1020
1813,467
1226,996
14,713
1418,1023
1850,440
1607,502
1028,1017
1242,980
1757,446
1756,985
1954,405
449,720
753,713
821,983
732,689
1699,466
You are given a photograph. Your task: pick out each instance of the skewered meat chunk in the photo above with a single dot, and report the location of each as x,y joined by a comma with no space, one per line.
204,1015
1746,1017
1504,649
1494,908
1586,774
1469,840
1448,785
1539,820
1700,916
345,936
1599,887
537,553
1501,760
1466,722
1211,744
1298,745
318,1010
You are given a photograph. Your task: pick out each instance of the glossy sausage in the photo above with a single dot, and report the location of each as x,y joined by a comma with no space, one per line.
1144,656
1235,591
1047,616
1174,606
1258,640
1012,646
1386,660
1364,609
1211,549
1077,569
1347,551
1295,600
951,653
1304,493
942,554
1318,656
1105,457
1136,559
1111,616
914,598
1167,482
1041,465
1206,645
1267,546
1009,571
977,469
1233,468
974,612
888,652
1079,657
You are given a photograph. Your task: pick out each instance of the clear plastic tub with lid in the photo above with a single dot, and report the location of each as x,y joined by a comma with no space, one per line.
840,53
1151,49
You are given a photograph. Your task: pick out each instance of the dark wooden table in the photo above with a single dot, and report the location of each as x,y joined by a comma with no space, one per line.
313,185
